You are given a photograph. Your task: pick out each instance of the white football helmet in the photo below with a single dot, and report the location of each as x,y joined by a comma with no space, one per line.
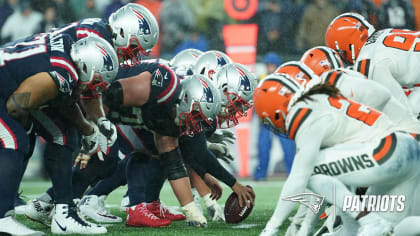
236,84
199,101
210,63
184,61
96,63
135,30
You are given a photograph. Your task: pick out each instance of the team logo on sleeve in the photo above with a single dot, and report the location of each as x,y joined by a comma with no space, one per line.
207,93
63,83
158,78
245,83
108,64
143,25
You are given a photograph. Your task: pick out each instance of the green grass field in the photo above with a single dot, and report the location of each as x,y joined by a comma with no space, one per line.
266,198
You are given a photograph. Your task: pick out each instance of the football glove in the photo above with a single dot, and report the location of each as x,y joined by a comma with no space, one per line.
108,129
194,217
221,151
90,143
225,137
214,211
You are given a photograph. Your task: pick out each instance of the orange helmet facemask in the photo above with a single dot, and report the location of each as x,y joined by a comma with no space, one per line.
271,100
322,59
297,70
347,34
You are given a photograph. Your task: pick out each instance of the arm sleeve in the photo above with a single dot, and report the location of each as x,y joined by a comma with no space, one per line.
194,150
308,148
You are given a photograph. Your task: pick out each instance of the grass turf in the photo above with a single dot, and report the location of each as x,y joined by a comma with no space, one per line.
266,198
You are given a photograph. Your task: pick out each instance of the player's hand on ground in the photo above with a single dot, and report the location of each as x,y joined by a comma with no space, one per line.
221,151
213,184
224,137
90,145
193,215
215,212
108,129
245,194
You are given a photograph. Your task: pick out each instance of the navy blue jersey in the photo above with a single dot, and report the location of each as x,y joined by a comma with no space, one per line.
157,114
32,55
86,27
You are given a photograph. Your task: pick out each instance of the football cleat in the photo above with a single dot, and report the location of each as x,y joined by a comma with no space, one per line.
20,205
193,215
163,212
66,220
374,225
140,216
10,226
39,211
93,207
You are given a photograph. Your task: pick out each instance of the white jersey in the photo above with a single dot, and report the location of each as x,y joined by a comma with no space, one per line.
398,49
355,86
348,121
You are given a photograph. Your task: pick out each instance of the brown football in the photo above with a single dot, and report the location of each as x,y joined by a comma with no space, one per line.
233,212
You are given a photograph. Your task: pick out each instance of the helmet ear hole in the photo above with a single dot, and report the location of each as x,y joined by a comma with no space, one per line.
121,33
277,116
84,68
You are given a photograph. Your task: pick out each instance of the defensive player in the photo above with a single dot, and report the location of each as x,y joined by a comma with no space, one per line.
303,116
387,56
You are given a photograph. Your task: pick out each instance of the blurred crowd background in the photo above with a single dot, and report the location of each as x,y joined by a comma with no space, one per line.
286,28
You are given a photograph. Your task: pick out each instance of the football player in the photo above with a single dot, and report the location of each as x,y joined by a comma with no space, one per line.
343,127
57,71
387,56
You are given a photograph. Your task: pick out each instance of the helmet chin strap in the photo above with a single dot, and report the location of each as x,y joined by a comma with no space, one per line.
353,53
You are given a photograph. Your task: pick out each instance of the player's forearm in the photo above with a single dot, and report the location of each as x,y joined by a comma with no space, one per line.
93,107
78,119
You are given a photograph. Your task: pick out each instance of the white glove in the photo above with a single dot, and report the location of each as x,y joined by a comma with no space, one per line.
221,151
225,137
90,143
108,129
214,211
194,217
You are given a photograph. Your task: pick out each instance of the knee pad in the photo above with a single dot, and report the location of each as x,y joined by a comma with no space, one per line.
173,164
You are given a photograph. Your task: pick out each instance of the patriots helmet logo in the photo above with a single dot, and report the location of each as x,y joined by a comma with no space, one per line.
207,93
220,60
144,27
245,83
108,64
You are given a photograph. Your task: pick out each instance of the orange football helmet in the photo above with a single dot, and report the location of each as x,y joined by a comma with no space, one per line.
271,99
347,34
321,59
297,70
